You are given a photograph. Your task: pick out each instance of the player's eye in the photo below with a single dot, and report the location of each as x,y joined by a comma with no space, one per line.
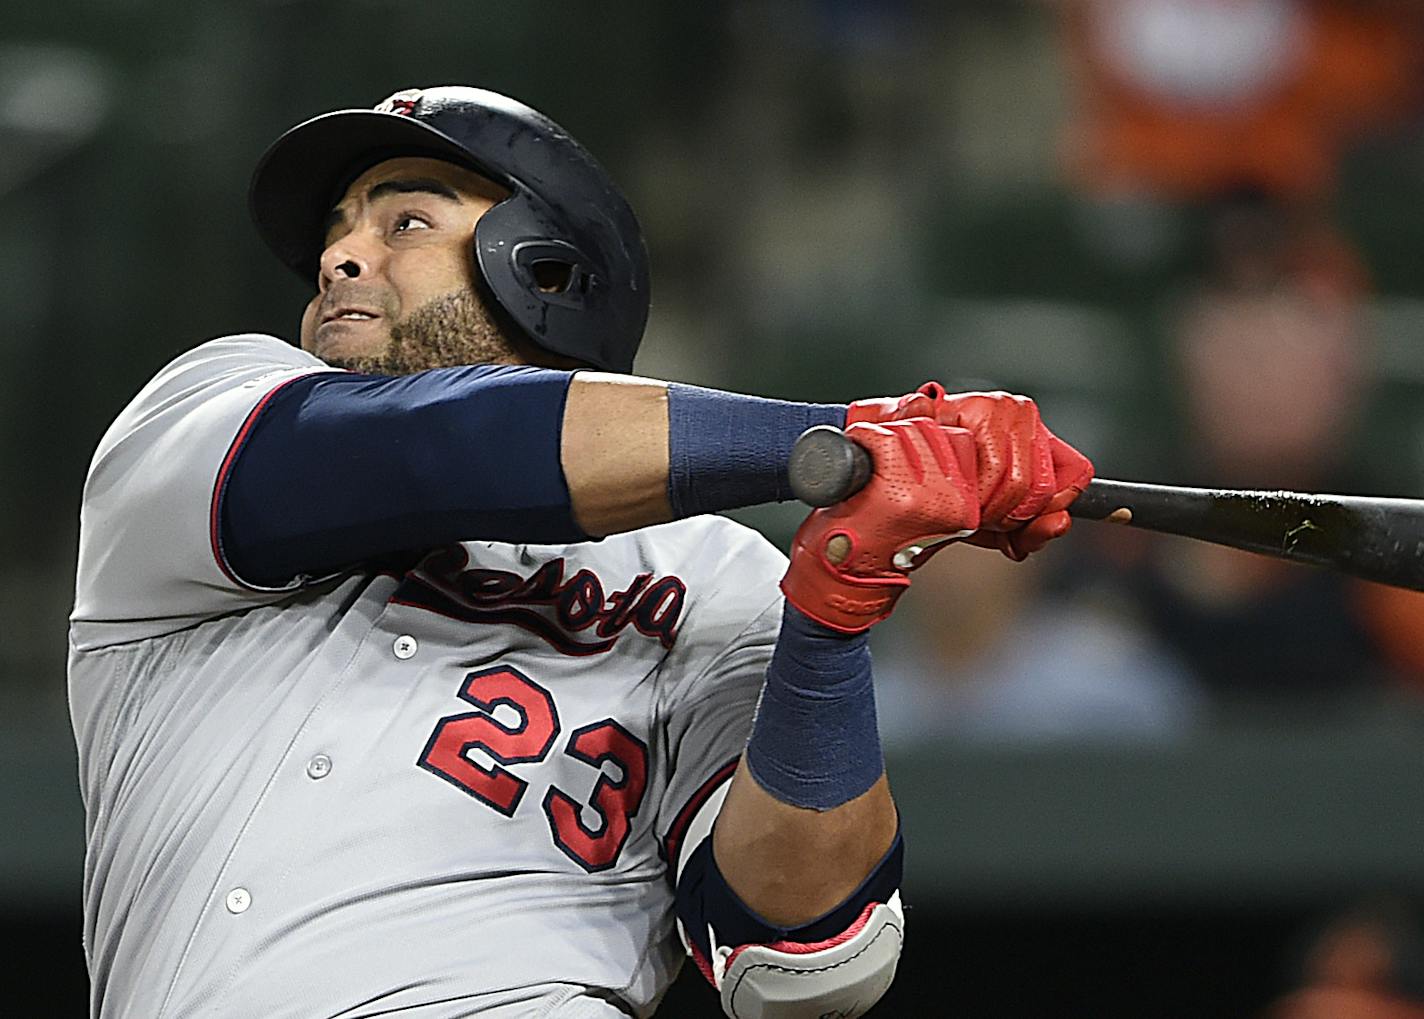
406,222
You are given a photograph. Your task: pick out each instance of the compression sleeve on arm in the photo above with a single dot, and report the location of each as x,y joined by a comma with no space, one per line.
337,469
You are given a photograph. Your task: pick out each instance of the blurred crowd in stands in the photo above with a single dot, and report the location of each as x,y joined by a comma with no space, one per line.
1367,962
1223,331
1239,114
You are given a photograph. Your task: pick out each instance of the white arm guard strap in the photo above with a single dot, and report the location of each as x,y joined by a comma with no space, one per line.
840,978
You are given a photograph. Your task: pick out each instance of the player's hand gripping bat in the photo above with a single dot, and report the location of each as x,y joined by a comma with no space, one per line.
1374,538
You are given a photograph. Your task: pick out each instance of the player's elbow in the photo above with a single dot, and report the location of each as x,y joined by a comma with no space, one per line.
839,964
844,976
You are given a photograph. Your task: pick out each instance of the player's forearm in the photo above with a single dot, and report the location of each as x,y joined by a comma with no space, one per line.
809,813
615,452
792,864
637,452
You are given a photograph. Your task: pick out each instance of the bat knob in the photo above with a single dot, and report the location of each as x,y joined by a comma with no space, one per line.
826,467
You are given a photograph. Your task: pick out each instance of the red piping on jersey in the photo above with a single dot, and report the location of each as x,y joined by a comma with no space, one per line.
220,484
672,845
703,966
787,947
803,948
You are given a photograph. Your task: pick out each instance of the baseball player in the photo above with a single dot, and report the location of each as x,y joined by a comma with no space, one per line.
412,673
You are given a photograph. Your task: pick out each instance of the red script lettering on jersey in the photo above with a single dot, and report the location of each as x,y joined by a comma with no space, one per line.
545,603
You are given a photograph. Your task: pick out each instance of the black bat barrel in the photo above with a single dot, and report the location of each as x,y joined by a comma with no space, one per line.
1374,538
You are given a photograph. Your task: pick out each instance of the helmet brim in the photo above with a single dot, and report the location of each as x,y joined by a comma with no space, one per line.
300,178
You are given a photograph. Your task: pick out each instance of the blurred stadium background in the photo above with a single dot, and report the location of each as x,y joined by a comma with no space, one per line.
1140,777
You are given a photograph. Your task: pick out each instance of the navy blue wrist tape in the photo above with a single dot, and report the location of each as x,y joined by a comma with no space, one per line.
814,742
726,450
340,469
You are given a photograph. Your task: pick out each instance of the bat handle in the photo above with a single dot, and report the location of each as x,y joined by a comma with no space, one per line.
826,467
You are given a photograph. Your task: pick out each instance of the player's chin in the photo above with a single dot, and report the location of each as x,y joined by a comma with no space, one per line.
344,340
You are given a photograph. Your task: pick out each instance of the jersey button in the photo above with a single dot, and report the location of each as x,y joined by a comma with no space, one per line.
319,766
238,900
405,647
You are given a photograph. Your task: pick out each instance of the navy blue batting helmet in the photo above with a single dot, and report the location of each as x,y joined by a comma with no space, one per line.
563,213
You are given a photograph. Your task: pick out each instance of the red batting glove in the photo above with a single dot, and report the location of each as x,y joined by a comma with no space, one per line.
1027,476
922,403
851,561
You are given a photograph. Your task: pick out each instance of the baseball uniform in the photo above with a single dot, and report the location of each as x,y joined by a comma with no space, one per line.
438,787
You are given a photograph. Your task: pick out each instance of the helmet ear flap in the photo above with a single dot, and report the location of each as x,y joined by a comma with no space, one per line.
545,285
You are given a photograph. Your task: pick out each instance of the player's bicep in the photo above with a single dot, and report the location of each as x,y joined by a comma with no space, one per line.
148,562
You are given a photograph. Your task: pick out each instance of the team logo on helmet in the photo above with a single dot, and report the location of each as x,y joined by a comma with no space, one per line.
402,102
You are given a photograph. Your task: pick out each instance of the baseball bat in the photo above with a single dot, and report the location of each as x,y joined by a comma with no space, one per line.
1377,539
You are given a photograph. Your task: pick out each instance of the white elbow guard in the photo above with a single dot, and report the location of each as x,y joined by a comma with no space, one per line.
842,977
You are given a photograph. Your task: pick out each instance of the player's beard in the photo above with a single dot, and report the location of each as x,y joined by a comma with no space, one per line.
450,330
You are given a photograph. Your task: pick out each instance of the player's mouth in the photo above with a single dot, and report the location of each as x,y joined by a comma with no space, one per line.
349,315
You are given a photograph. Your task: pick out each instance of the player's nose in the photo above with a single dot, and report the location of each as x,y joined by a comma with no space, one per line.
351,257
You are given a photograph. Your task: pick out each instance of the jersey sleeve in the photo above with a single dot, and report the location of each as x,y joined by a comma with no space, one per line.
148,557
716,678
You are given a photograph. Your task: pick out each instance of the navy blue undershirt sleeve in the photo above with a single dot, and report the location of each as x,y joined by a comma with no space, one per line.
343,469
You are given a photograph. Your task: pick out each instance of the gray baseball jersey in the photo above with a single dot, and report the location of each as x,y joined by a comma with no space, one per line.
437,792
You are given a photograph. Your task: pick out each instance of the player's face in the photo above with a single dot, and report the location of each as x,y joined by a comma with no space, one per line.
398,261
